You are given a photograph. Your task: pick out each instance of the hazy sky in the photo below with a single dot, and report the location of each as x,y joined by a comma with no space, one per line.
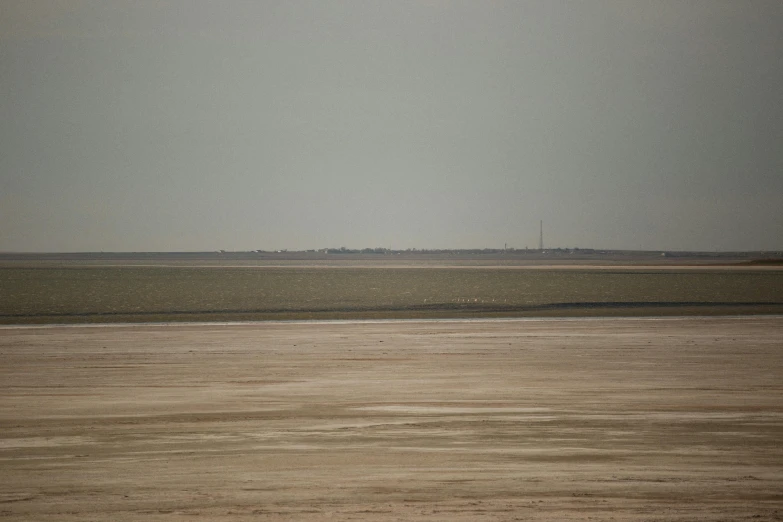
194,125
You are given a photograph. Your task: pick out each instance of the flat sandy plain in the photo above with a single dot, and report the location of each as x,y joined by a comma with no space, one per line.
523,419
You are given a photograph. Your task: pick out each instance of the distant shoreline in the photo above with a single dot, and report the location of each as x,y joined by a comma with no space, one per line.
458,320
557,311
347,265
385,257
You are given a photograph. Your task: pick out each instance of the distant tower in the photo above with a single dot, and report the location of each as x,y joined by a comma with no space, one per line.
541,236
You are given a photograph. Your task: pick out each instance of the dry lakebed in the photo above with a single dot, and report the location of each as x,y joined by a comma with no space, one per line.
506,419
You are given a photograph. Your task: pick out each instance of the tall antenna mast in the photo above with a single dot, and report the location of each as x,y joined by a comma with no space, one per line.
541,237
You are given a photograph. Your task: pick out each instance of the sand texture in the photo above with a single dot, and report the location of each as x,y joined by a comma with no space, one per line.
562,419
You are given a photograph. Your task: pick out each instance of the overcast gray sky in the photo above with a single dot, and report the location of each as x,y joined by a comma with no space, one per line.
194,125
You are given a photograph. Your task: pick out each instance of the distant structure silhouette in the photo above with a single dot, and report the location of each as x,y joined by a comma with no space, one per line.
541,236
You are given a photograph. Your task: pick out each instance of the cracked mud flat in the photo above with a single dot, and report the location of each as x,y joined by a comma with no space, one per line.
564,419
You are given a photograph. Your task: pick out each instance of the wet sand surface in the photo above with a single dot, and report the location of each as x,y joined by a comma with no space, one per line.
563,419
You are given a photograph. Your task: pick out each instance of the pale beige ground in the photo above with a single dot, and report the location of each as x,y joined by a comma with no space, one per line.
636,419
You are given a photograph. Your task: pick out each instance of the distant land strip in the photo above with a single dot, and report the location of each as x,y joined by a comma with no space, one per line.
381,255
163,294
